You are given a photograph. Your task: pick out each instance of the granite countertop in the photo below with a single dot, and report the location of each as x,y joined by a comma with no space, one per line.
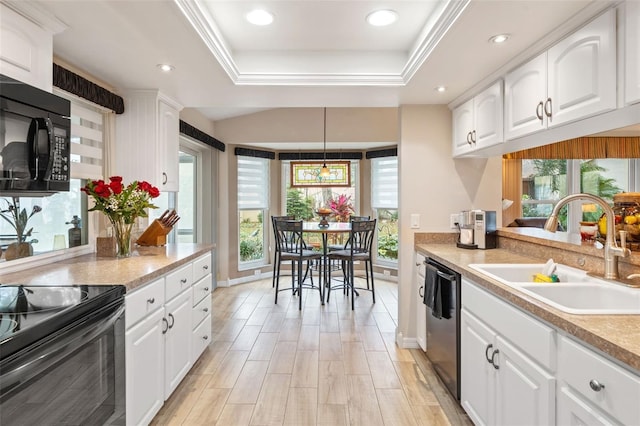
144,265
616,335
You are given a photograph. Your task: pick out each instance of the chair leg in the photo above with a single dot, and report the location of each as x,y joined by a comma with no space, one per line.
277,279
328,286
352,283
373,289
366,272
299,285
275,262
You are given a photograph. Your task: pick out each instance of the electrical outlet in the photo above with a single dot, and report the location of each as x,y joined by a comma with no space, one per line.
386,272
453,219
256,272
415,221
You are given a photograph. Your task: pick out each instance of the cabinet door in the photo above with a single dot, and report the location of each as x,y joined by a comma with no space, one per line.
201,338
478,375
488,116
144,361
168,139
525,393
421,308
525,91
177,341
632,52
462,127
572,410
582,71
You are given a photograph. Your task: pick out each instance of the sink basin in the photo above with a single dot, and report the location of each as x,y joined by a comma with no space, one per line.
576,293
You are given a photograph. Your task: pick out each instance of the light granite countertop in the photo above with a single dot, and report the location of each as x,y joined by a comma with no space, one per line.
144,265
615,335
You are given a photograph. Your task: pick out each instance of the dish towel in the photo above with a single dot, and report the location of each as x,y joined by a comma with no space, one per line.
432,293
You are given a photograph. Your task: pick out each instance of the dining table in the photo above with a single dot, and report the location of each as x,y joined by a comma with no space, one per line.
332,228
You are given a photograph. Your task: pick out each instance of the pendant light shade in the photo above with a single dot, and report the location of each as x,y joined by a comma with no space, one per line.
324,171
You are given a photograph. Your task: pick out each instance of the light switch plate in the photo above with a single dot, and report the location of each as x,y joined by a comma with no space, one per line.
415,221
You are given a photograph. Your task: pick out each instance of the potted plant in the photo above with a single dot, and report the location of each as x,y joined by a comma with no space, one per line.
18,219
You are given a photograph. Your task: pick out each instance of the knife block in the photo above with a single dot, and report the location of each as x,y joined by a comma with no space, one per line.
154,235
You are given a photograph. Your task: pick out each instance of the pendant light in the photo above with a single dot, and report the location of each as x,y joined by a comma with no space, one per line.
324,171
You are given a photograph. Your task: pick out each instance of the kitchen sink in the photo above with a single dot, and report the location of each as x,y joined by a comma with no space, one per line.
576,293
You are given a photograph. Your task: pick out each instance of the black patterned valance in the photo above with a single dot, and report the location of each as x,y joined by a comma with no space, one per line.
80,86
197,134
255,153
387,152
303,156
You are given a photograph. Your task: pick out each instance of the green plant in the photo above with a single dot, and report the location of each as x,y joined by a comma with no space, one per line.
250,249
298,206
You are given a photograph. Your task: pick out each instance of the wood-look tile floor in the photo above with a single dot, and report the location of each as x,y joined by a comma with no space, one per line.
272,364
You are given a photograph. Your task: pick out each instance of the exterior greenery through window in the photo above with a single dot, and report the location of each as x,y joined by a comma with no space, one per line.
384,201
253,202
544,182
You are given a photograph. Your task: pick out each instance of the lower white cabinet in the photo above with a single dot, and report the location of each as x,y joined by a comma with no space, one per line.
501,384
421,308
177,335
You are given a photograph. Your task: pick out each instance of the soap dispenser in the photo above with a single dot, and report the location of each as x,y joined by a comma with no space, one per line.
75,233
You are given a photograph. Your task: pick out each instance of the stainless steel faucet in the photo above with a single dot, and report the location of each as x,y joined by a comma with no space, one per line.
611,249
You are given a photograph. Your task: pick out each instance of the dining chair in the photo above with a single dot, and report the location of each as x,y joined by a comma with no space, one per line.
345,246
289,240
276,253
360,247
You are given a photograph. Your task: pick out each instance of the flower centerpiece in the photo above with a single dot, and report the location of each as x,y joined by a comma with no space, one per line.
122,205
19,219
341,207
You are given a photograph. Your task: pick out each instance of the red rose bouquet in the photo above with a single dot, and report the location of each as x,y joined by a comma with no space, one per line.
122,205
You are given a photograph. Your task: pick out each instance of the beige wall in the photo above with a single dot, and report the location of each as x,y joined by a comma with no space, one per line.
433,185
197,120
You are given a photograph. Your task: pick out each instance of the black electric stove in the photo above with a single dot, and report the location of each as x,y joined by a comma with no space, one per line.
29,314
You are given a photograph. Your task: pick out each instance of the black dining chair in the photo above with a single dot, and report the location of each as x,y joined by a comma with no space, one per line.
345,246
360,249
276,253
289,240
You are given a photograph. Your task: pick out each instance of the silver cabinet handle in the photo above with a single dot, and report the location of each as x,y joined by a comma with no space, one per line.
183,281
206,289
205,337
164,330
173,320
540,110
420,292
165,178
205,310
595,385
205,267
151,300
493,362
486,352
548,111
473,136
469,138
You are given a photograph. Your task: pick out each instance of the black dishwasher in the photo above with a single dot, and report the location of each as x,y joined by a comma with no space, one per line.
442,297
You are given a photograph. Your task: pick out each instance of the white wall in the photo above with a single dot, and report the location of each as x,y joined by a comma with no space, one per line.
433,185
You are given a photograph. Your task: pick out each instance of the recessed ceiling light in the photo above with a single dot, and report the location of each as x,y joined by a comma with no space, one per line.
166,67
259,17
440,89
499,38
381,18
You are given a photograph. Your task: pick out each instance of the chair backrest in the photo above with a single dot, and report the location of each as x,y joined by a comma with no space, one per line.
361,236
359,218
273,225
289,236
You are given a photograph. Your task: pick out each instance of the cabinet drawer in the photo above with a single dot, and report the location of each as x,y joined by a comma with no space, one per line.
200,339
420,266
200,312
528,334
201,267
202,289
177,281
143,301
578,366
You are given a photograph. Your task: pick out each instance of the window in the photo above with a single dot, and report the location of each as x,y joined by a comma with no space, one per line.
544,182
187,198
384,202
253,203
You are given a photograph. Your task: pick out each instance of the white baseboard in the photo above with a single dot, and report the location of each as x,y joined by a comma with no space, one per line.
407,342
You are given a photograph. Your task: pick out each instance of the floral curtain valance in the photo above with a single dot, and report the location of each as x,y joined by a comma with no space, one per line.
306,174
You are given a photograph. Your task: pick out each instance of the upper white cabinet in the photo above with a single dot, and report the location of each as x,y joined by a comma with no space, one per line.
575,78
632,52
147,139
26,48
478,122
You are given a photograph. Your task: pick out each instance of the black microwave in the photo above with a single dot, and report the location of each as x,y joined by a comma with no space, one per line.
35,133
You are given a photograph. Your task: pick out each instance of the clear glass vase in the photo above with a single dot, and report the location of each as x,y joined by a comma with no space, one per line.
122,233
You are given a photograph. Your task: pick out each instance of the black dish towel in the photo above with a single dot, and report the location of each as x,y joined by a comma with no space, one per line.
432,294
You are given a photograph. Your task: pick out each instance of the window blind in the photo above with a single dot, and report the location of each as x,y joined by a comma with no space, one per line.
384,183
253,183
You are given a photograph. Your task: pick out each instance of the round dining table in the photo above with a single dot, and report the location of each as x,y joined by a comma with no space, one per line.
333,228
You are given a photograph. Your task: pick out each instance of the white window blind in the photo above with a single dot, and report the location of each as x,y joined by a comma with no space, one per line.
253,183
384,183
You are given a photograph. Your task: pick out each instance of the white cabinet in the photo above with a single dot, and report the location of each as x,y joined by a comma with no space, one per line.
575,78
632,52
421,308
144,353
26,48
177,345
147,139
503,380
201,312
478,123
594,390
